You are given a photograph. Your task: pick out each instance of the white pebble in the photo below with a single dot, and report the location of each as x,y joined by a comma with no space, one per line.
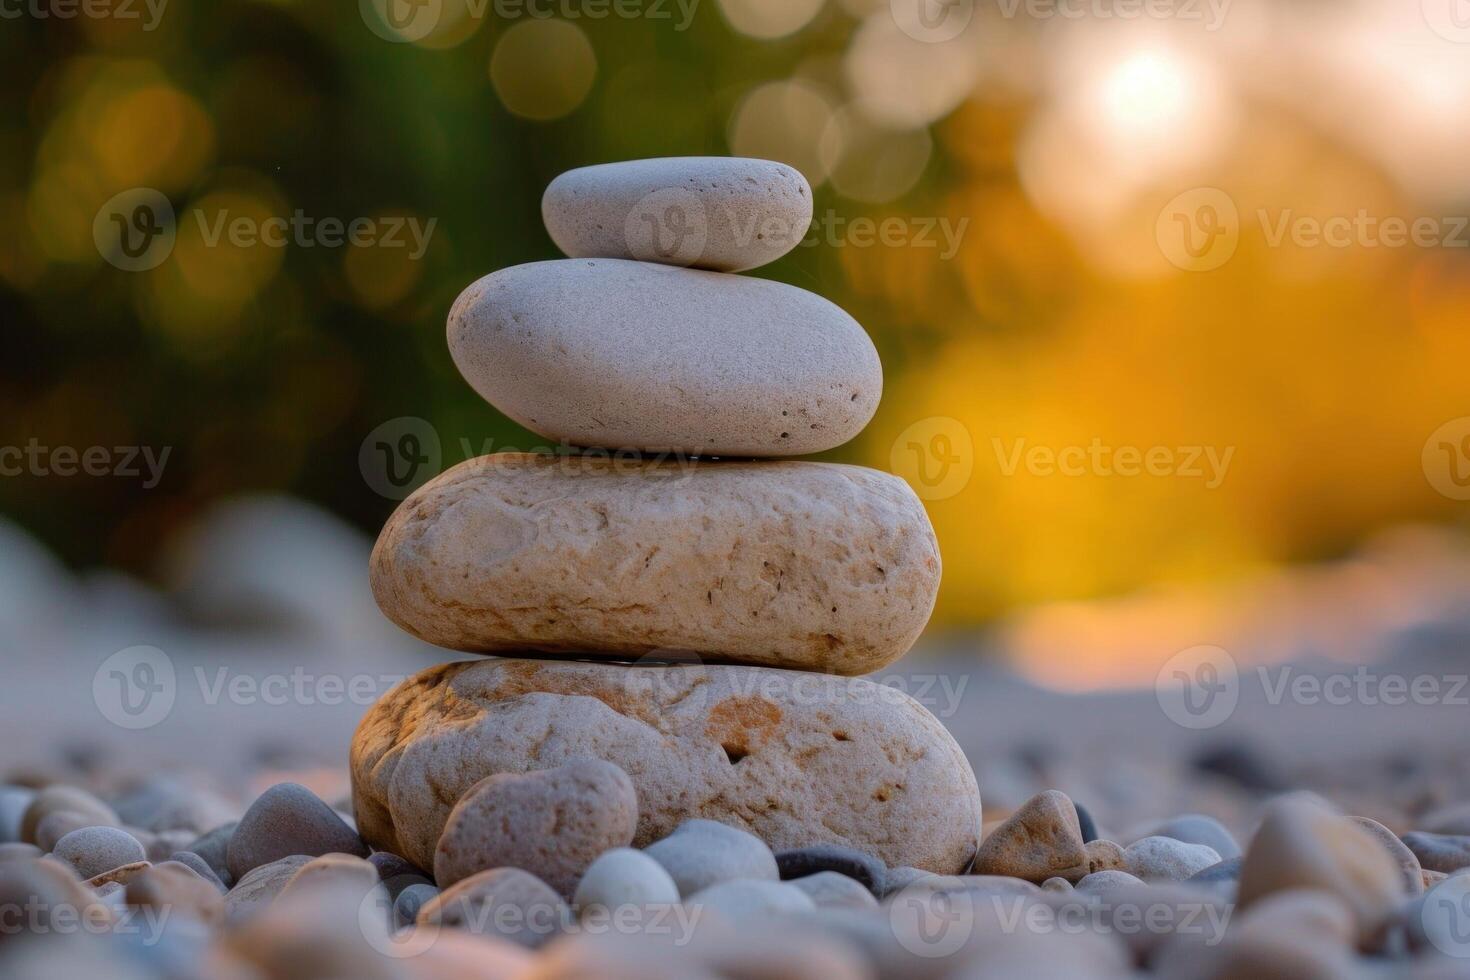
829,889
622,877
1167,859
702,853
741,901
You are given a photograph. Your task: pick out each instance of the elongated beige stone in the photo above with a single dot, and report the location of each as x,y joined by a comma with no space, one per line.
794,758
631,355
721,213
787,564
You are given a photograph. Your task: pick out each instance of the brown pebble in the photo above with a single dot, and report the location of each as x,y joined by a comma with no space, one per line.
1040,840
553,823
177,887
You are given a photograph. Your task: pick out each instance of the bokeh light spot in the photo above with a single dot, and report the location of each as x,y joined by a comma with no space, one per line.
543,69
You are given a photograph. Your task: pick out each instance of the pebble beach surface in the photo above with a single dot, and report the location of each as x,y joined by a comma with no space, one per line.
672,771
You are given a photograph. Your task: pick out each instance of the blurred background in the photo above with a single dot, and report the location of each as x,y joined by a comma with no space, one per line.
1172,298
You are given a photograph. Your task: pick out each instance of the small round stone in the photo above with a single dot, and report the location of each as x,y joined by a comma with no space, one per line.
1103,881
506,902
213,847
1040,840
897,879
1301,844
256,889
625,877
830,889
804,861
174,886
58,824
97,850
1105,855
14,800
392,866
289,819
342,872
410,902
199,866
1085,823
748,899
61,797
1227,870
553,823
701,853
1167,859
722,213
1449,853
1196,828
1409,867
16,851
1059,885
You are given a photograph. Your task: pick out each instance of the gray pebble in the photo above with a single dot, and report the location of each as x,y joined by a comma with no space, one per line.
1105,881
390,865
701,853
1086,824
505,902
13,803
897,879
1196,828
410,902
199,866
1228,870
831,889
213,847
1168,859
16,851
256,889
289,819
1440,852
62,797
804,861
746,900
56,825
93,851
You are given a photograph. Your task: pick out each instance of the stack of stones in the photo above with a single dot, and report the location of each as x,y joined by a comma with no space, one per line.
661,598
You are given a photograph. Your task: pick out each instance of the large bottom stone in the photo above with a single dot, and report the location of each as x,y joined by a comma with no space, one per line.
795,758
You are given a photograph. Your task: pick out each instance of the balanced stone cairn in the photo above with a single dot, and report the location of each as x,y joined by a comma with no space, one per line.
749,592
